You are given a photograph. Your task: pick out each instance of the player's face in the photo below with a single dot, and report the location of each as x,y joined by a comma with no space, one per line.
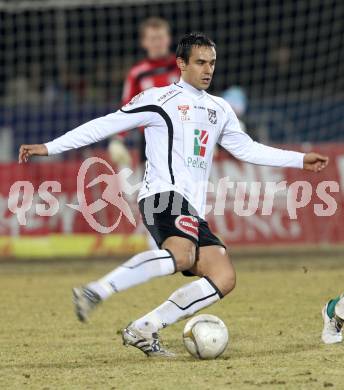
200,69
156,42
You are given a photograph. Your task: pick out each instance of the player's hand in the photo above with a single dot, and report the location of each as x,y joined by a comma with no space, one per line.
315,162
26,151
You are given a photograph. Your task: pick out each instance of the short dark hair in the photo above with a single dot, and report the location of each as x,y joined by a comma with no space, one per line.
192,39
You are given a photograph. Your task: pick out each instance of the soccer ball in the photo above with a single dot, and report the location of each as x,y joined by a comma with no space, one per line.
205,336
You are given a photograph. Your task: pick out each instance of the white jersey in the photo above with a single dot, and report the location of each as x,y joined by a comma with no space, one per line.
182,126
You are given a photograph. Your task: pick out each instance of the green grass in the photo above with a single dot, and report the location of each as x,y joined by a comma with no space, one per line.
273,318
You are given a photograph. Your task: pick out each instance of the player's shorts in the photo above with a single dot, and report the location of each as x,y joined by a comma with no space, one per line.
169,214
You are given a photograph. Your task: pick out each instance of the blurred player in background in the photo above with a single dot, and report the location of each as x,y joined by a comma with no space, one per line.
158,69
333,316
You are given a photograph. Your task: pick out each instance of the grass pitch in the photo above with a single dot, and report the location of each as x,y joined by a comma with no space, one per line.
273,318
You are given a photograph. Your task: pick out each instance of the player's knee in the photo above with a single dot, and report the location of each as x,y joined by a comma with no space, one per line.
184,258
225,280
183,250
229,282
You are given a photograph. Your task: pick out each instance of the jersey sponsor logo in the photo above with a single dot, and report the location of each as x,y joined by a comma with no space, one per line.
196,162
212,116
166,95
184,112
188,224
200,142
199,149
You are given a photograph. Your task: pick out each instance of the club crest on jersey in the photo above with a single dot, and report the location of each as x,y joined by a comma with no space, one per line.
187,224
184,112
212,116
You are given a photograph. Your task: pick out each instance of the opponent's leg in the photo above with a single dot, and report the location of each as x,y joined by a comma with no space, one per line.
333,316
139,269
217,278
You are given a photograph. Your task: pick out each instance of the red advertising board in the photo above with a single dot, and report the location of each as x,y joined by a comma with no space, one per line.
318,218
243,209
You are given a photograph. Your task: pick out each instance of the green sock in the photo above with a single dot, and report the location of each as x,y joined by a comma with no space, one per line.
331,305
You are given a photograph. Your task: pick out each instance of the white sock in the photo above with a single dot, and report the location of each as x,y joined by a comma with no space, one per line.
183,303
151,242
139,269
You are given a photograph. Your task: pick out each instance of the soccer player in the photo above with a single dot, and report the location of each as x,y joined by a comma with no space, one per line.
158,69
182,124
333,316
